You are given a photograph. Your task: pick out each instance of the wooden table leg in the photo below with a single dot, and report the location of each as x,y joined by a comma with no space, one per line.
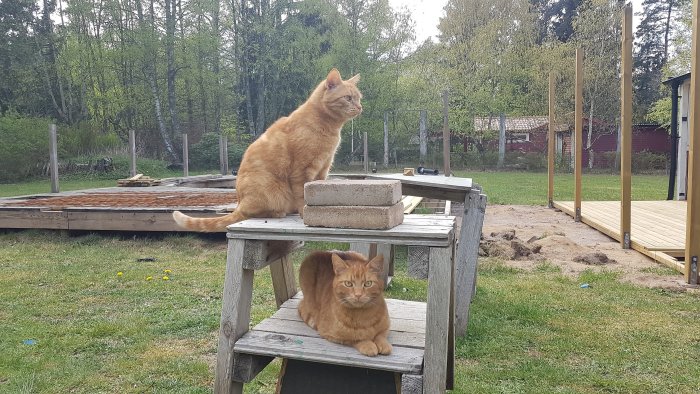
437,320
283,280
467,255
235,315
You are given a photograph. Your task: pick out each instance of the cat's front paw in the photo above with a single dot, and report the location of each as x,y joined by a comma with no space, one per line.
383,346
368,348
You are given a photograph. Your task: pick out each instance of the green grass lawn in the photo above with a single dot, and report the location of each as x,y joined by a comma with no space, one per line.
70,324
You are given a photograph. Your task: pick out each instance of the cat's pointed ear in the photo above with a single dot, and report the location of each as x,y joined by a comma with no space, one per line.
354,80
339,265
333,79
376,265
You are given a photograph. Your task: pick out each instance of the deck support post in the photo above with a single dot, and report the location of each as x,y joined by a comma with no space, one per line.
550,145
579,133
626,130
692,222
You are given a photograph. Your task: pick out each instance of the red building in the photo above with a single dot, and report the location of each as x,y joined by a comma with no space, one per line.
529,134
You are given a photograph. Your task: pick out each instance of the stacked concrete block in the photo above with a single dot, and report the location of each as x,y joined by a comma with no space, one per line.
364,204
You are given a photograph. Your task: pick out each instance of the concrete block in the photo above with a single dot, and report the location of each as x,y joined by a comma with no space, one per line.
352,192
371,218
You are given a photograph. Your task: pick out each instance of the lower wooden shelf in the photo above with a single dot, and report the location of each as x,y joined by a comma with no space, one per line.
286,335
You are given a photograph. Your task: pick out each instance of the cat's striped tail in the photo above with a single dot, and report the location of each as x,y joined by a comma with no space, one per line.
209,225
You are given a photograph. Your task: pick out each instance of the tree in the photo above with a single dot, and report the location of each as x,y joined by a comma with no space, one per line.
653,36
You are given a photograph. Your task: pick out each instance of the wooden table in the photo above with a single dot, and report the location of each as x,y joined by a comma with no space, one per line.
256,243
458,190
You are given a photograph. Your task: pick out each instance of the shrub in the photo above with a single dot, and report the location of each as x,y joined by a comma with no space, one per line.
648,161
204,155
24,149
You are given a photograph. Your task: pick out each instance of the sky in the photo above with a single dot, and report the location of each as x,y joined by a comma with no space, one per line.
427,13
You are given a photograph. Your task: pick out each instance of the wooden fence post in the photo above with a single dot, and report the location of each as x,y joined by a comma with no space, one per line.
366,153
185,156
132,152
53,157
446,133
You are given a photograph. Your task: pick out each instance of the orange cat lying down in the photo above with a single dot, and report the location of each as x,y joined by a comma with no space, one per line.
296,149
344,300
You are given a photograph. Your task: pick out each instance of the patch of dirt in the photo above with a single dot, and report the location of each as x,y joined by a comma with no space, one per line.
553,236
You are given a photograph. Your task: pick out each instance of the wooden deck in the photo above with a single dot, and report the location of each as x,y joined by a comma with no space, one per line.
658,227
114,208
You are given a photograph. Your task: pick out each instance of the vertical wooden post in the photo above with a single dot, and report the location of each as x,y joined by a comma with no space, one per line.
446,133
423,136
692,229
53,157
366,153
185,156
550,145
501,140
132,152
579,134
223,153
626,128
386,139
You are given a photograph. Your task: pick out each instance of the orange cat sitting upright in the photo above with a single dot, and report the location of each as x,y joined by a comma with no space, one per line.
344,300
296,149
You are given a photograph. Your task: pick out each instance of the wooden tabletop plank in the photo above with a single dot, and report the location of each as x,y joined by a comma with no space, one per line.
433,231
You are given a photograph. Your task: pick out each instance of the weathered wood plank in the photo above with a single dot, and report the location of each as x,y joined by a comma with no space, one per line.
247,366
438,319
413,231
260,254
410,321
411,384
283,280
299,328
467,257
33,218
235,316
402,359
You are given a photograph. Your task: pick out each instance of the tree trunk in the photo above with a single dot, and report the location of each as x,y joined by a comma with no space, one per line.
170,12
149,72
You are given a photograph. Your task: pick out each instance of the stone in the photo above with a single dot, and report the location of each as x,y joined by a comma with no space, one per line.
352,192
362,217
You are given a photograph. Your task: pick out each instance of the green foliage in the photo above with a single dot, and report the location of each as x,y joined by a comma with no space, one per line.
648,161
660,112
24,150
205,153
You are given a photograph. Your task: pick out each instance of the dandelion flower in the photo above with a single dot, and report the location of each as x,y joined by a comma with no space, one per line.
149,278
119,274
166,271
166,277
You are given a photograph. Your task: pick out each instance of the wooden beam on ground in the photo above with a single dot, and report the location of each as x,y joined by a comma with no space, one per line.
692,233
132,152
626,135
550,145
53,157
579,133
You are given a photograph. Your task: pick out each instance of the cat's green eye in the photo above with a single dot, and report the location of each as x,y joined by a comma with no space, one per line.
369,283
347,283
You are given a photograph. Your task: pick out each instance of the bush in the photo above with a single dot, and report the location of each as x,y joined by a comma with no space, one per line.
204,155
649,161
24,150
